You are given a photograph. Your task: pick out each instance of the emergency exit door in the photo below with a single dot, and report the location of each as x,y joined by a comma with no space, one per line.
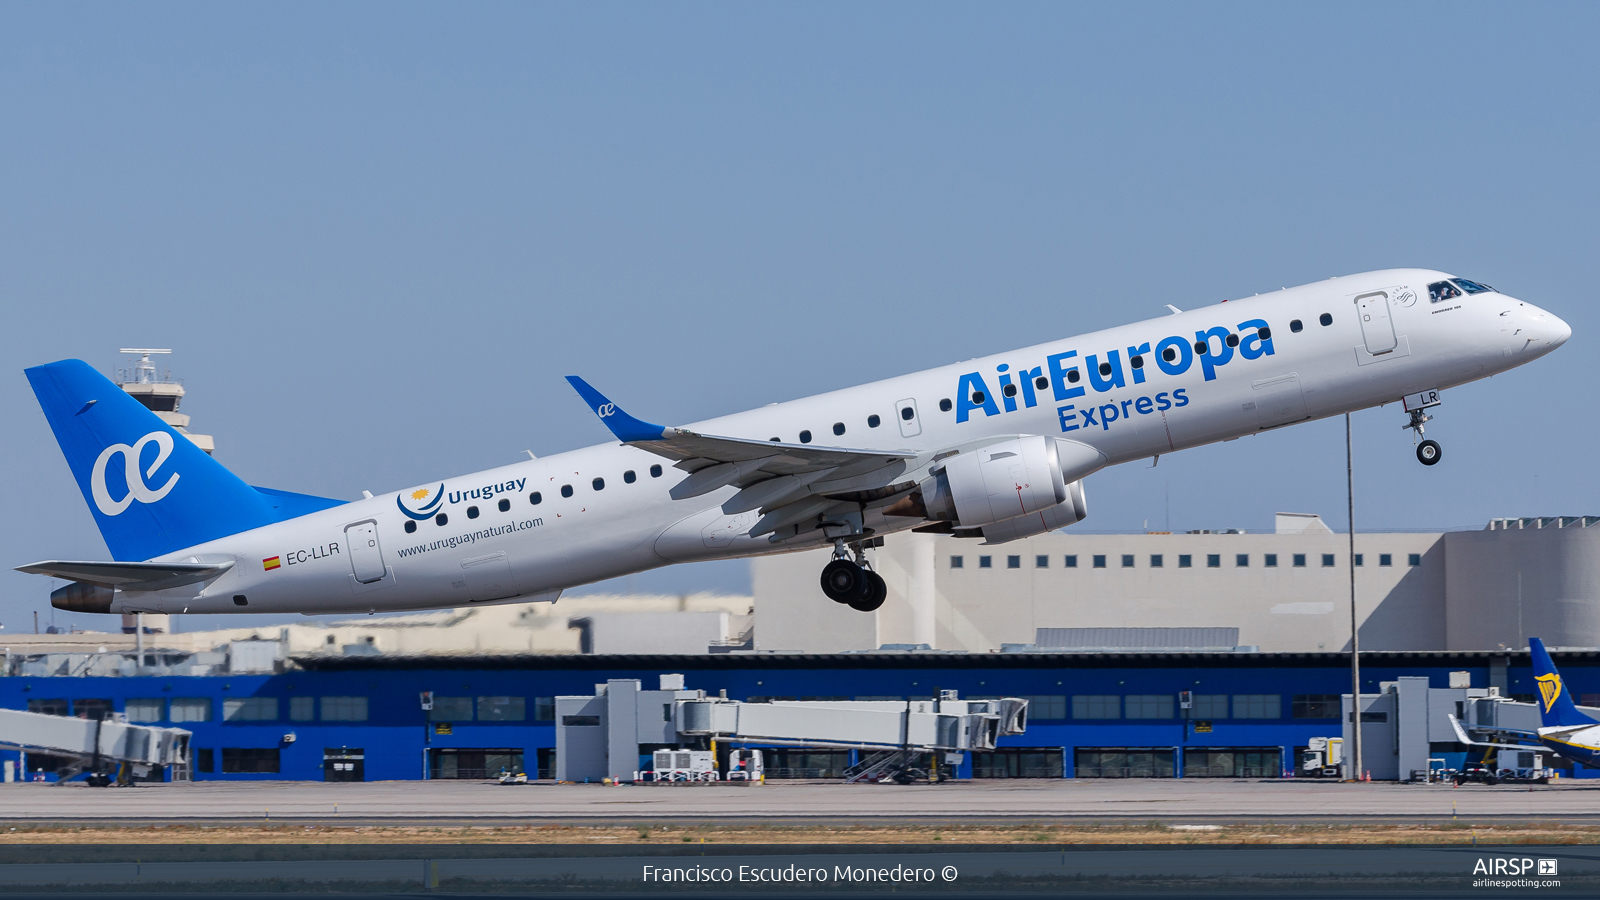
1377,329
366,557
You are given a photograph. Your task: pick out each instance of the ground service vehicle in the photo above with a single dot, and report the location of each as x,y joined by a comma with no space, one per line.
1322,757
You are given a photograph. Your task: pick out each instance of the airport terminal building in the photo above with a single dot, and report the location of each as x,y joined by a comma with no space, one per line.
1090,714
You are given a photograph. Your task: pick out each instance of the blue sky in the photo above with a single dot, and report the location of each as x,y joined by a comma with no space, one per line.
377,235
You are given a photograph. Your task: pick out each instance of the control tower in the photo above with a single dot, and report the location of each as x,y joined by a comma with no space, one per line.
159,394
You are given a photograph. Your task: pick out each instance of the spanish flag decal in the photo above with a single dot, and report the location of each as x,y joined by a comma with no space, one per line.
270,563
1549,689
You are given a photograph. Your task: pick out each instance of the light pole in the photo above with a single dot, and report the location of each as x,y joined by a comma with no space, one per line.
1355,627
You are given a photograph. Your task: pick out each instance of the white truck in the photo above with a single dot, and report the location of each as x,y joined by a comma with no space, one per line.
1322,757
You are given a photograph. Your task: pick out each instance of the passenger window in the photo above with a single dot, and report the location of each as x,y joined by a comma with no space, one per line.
805,437
1265,333
655,471
1105,369
977,398
472,512
1472,287
873,421
1137,362
1201,347
1041,382
907,414
566,490
1326,319
944,406
411,526
536,498
441,519
1233,340
628,477
838,428
505,505
1440,291
1072,375
1169,354
599,484
1009,390
1295,326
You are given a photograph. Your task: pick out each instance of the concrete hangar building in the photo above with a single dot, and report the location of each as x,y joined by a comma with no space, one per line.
1285,592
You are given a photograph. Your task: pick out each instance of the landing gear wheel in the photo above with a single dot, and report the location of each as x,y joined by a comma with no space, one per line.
876,591
1429,453
843,581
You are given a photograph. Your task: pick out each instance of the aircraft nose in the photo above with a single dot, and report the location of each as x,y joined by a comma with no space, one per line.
1559,331
1549,328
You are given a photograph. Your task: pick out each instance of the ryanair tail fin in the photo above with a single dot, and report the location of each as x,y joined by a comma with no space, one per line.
150,489
1555,701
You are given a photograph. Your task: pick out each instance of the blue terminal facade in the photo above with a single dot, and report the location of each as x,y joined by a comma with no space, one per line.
1091,714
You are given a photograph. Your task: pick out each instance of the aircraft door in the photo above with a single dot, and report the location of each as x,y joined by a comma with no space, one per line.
1377,329
366,557
905,412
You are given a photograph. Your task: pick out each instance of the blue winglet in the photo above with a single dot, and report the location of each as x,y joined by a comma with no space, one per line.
625,427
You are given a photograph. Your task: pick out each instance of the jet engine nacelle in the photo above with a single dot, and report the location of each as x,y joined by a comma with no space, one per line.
1073,509
997,482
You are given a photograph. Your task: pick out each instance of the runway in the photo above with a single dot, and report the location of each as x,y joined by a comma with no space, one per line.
798,803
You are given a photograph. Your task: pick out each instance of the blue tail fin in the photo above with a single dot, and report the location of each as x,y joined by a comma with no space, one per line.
151,490
1555,701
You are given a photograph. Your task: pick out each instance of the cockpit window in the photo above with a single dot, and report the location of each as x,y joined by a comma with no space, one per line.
1440,291
1472,287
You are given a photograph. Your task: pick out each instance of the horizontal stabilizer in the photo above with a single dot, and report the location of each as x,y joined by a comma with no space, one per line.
129,576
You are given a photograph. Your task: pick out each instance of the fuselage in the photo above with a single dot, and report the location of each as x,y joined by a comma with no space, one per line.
1582,746
526,531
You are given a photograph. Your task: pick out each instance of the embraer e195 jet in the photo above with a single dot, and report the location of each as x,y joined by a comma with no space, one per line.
994,448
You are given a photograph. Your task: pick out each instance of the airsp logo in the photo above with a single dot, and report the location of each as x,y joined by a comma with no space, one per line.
605,410
137,488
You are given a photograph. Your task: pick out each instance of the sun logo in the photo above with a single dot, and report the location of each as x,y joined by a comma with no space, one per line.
421,507
1549,689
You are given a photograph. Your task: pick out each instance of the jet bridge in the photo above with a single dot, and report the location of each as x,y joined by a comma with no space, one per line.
94,745
611,733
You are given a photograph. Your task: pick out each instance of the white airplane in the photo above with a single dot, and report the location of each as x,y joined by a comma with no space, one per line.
994,448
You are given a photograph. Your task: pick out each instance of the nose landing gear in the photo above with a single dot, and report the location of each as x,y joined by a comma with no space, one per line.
1428,451
850,581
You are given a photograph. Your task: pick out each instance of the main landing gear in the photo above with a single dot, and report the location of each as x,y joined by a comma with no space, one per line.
1428,451
849,581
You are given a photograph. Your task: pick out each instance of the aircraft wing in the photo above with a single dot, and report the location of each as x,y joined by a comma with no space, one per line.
747,463
130,576
1528,738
